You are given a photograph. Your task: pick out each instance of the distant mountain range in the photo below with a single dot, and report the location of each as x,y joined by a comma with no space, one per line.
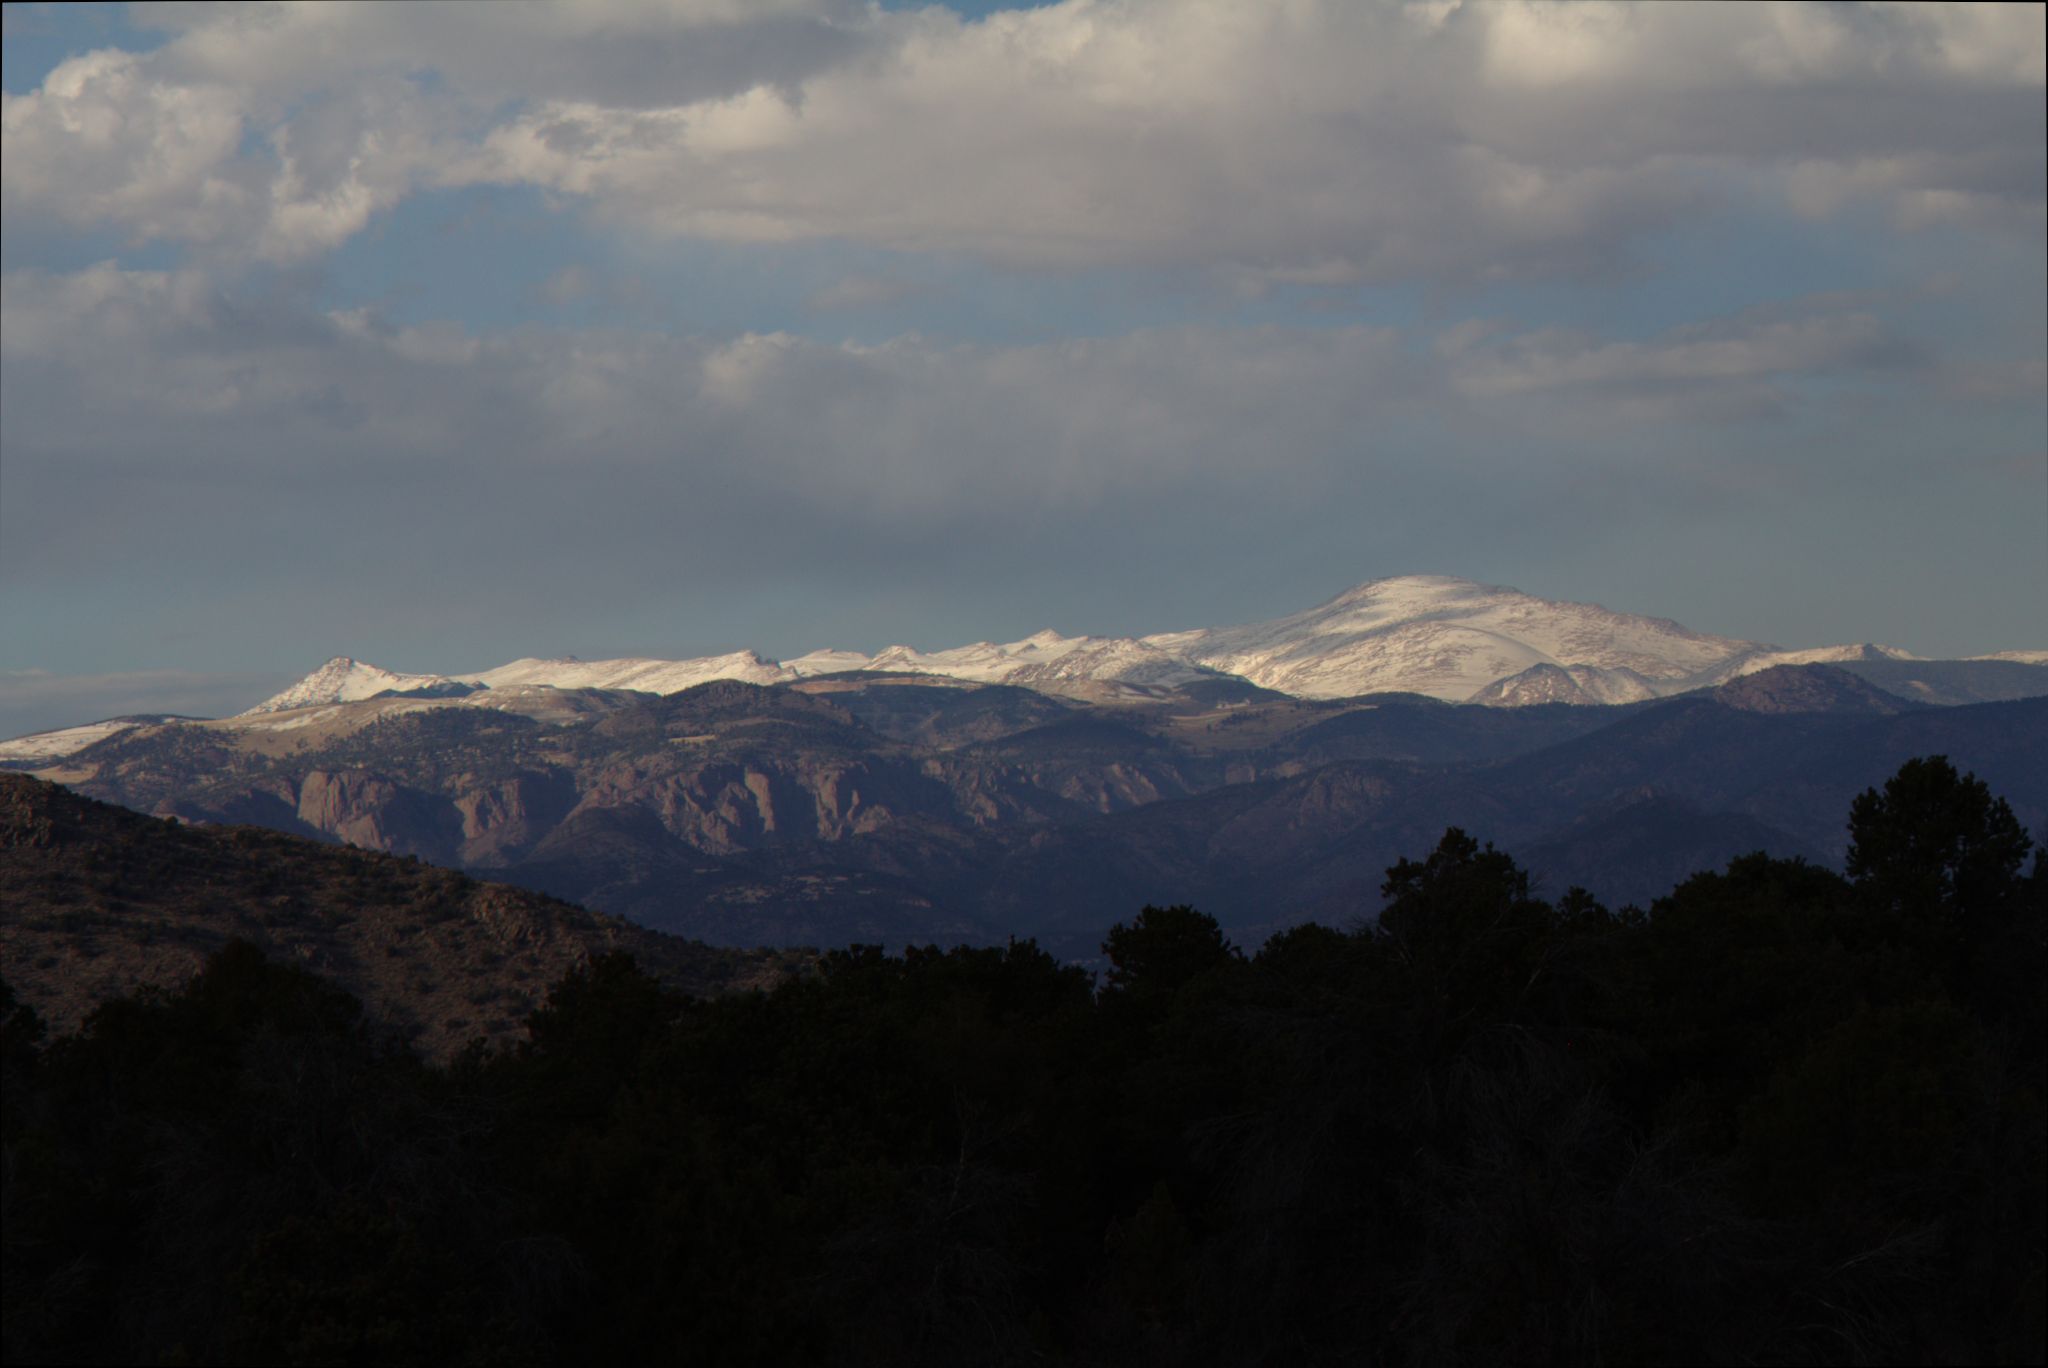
890,807
1053,785
1439,637
1444,638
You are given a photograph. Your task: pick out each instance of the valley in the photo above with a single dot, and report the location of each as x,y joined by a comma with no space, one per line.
893,810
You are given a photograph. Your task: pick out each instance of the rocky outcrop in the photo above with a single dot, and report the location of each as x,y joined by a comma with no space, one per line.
501,820
365,809
724,806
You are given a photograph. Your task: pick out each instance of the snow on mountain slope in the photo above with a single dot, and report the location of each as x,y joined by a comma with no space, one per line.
983,662
1769,658
647,676
542,703
826,662
1580,684
1429,634
1046,659
55,745
343,680
1445,637
1118,660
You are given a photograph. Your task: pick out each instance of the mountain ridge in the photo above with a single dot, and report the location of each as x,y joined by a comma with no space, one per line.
1448,638
893,809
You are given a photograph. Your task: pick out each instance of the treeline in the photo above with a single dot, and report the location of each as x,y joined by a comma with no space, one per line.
1784,1116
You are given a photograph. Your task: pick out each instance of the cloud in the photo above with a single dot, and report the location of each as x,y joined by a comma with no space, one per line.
109,140
1329,142
568,285
37,700
863,292
102,142
1326,142
1726,368
624,52
1218,135
1997,381
168,411
888,434
277,131
96,357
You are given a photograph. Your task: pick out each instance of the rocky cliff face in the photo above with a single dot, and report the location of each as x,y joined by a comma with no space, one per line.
369,810
839,810
501,819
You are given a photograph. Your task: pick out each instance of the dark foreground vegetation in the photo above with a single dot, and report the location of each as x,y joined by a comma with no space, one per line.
1782,1117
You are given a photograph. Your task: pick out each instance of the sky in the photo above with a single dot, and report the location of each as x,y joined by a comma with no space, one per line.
444,334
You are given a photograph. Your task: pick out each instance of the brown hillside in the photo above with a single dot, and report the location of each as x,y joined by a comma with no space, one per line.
96,901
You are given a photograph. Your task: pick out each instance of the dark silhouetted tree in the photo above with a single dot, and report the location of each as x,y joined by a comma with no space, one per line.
1935,842
1164,949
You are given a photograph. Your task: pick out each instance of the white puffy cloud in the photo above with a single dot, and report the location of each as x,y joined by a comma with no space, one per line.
276,131
1301,141
625,52
109,139
102,141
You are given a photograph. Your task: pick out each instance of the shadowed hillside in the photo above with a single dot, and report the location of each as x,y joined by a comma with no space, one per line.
99,901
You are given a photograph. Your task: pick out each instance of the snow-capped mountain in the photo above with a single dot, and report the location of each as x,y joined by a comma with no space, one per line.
1448,638
1429,634
647,676
1768,658
344,680
1580,684
1044,658
54,745
1045,661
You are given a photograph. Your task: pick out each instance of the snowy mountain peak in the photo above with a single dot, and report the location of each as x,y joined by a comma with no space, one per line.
1450,638
1395,586
647,676
1578,684
344,679
1769,657
1413,593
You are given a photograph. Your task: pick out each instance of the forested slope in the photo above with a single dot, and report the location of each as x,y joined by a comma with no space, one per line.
1786,1116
